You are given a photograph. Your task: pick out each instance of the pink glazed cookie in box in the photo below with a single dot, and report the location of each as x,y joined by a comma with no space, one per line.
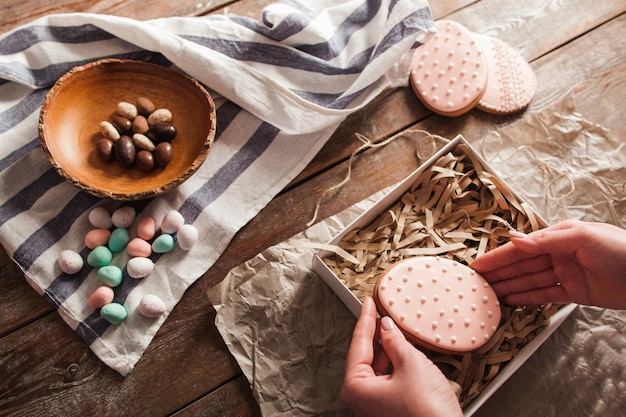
439,304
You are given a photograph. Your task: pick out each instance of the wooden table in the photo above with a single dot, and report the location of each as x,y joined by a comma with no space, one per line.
576,47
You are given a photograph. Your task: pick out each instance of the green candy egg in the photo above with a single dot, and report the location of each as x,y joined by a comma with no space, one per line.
99,256
114,313
110,275
119,239
162,244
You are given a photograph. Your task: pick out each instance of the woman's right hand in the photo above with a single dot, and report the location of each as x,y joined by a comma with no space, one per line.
572,261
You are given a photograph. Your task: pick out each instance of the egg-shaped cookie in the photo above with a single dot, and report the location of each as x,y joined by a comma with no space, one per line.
439,304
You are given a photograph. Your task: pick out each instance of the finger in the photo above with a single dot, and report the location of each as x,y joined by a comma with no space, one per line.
554,294
525,266
561,239
500,257
361,351
398,349
526,282
381,363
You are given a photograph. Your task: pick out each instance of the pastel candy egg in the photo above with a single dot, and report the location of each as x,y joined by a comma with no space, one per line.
139,247
102,296
139,267
163,244
114,313
151,306
172,222
146,228
119,239
123,217
99,256
187,236
100,218
97,237
70,261
110,275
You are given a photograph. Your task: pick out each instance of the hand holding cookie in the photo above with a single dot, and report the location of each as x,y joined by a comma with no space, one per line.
396,379
572,261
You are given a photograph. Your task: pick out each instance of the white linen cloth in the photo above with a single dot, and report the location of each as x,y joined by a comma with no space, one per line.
282,85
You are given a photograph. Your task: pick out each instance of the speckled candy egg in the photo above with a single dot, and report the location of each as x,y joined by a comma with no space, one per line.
151,306
123,217
70,261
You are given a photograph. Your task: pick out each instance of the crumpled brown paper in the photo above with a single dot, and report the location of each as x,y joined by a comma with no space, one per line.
289,332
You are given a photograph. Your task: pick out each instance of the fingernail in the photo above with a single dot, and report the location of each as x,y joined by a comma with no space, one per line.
387,323
516,234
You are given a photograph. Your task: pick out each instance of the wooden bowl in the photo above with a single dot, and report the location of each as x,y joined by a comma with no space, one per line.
69,126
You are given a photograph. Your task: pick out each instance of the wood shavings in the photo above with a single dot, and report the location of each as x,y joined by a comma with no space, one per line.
457,210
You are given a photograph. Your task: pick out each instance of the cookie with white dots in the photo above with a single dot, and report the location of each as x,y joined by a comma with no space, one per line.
512,82
449,72
439,304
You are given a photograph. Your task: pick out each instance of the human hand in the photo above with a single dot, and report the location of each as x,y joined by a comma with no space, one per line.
414,387
572,261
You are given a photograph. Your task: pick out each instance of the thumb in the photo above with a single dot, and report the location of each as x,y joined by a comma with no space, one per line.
398,349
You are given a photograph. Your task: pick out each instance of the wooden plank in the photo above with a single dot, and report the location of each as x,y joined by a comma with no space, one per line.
20,303
537,27
17,13
48,370
231,400
442,9
188,359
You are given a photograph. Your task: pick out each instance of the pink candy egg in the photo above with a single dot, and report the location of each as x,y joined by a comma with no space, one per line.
97,237
139,247
146,228
102,296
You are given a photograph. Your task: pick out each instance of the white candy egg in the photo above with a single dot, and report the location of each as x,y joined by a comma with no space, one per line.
187,236
172,221
100,218
139,267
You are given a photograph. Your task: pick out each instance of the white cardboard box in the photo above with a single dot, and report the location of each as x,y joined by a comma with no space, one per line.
354,304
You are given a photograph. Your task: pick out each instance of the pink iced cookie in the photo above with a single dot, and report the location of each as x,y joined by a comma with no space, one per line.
449,72
512,82
439,304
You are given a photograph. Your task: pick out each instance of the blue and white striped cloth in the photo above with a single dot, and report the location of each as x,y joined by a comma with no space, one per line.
281,85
